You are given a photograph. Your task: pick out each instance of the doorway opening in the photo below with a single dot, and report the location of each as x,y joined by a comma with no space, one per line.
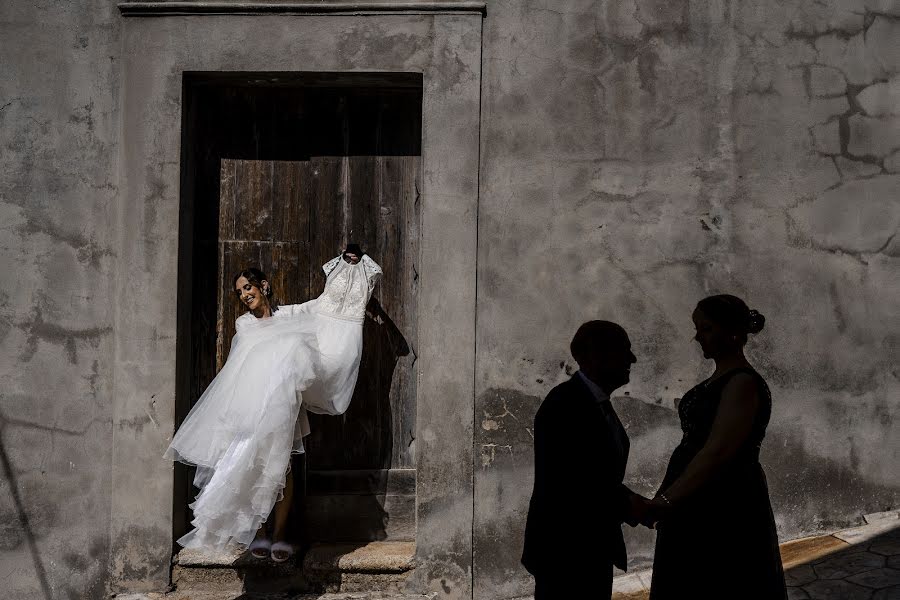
280,171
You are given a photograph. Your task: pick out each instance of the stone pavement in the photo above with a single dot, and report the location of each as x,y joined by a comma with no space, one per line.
861,563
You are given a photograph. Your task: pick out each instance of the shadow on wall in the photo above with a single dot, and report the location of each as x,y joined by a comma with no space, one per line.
799,481
21,515
349,486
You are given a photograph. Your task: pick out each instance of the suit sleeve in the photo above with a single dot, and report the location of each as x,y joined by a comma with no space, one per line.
623,494
573,466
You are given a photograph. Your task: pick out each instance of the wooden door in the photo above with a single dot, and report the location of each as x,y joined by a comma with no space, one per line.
288,218
263,223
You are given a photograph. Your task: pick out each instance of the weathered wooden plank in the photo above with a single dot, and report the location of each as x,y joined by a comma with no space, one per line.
289,212
204,324
327,190
288,273
388,249
324,191
235,256
361,438
227,183
253,200
377,430
373,385
221,311
363,205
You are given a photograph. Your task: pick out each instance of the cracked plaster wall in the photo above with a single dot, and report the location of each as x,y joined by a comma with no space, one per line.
58,154
636,156
639,155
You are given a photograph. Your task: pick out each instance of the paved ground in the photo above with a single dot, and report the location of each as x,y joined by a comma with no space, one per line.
862,563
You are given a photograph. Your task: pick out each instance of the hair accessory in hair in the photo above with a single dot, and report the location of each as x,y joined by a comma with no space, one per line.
755,321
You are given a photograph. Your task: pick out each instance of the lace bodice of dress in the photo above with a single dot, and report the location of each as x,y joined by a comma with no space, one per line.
348,287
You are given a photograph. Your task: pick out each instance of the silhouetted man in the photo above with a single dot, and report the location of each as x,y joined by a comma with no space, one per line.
573,535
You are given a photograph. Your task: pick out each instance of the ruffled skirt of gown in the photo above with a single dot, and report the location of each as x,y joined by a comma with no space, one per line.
241,432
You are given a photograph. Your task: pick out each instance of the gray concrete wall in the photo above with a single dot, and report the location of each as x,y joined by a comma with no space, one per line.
639,155
635,156
59,135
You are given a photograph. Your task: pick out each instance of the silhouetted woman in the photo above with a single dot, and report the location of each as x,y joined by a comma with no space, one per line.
716,535
284,360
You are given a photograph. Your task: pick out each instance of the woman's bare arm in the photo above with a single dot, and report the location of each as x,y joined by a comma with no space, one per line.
731,428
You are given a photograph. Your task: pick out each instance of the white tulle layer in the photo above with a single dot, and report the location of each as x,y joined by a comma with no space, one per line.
241,432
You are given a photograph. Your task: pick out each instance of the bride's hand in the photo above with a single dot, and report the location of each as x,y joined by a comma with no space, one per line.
657,510
353,252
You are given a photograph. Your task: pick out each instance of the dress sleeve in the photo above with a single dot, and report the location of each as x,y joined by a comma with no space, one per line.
240,322
373,270
331,264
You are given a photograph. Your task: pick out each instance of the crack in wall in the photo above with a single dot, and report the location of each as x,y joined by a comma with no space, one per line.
4,421
39,330
844,130
845,33
87,249
798,239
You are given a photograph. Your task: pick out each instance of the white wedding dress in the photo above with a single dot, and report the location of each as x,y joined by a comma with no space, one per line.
241,432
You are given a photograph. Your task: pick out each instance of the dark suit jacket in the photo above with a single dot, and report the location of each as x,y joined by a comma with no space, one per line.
578,503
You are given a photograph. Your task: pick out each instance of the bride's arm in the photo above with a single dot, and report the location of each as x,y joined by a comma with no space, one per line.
731,428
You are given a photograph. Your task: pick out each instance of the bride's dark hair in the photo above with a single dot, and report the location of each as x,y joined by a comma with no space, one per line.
256,277
732,313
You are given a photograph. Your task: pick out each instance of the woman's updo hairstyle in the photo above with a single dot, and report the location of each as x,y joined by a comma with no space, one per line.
256,277
731,313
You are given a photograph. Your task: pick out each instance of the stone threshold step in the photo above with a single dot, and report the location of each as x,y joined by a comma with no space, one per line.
341,568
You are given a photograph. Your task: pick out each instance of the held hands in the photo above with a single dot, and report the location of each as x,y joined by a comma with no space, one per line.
646,512
636,510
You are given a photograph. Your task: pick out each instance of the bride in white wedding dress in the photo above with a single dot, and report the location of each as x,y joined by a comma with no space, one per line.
284,361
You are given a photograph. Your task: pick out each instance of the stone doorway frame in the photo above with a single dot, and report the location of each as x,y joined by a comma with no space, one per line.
440,40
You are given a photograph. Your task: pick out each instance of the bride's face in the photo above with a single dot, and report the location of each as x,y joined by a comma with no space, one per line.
251,296
714,340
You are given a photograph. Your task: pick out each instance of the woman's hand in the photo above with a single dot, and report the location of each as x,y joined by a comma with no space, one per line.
636,509
353,253
657,510
731,428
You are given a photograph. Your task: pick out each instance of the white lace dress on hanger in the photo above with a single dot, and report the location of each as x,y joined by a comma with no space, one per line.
241,432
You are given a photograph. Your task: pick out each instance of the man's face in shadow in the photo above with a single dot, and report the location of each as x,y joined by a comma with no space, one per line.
609,363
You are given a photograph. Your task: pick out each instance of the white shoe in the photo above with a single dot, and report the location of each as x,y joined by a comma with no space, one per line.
283,548
260,548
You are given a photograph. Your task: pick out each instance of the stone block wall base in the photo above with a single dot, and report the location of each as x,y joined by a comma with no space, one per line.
327,568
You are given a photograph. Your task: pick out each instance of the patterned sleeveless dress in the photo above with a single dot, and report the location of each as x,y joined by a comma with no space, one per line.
721,542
